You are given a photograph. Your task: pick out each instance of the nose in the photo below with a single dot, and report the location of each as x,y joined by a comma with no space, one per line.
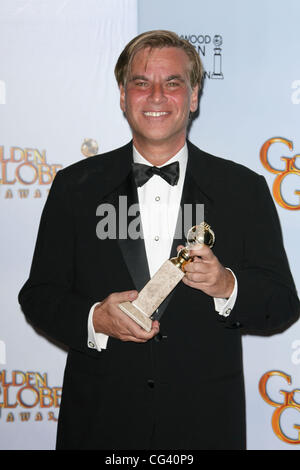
157,94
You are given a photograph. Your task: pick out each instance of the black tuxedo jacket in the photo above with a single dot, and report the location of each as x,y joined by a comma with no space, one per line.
184,389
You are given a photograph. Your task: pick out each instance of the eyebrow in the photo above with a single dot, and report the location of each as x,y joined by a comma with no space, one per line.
175,77
137,77
143,77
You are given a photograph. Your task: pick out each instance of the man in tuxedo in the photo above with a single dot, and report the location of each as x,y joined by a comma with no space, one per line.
179,386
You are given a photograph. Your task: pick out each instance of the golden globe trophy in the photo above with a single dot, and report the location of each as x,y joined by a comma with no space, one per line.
166,278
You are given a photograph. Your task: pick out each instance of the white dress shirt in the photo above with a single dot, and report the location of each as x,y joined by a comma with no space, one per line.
159,205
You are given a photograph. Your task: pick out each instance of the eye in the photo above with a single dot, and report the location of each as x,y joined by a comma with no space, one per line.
172,84
141,84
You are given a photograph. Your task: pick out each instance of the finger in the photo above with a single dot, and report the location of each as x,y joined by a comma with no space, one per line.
196,277
133,339
126,296
194,284
142,337
202,251
139,332
127,330
156,325
197,266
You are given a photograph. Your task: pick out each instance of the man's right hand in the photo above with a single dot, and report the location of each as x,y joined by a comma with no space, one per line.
109,319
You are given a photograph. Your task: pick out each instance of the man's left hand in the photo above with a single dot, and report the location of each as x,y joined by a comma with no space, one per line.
207,274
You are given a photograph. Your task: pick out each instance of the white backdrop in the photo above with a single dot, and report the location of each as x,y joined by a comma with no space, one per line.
57,89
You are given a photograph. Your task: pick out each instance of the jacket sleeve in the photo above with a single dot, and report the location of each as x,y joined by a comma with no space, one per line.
48,299
267,300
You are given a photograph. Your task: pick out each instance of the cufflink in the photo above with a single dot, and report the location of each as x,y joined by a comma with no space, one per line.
91,344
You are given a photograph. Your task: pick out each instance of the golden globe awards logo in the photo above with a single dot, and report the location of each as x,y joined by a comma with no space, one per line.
287,403
26,396
289,170
21,168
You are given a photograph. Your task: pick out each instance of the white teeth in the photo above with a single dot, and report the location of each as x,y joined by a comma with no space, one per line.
155,114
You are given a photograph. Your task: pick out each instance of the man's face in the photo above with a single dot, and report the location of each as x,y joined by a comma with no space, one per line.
158,98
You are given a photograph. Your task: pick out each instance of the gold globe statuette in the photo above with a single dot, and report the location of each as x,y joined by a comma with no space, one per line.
197,236
166,278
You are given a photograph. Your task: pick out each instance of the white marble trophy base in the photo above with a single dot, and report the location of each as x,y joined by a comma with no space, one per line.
153,294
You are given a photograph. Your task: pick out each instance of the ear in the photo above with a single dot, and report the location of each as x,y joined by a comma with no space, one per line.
194,99
122,98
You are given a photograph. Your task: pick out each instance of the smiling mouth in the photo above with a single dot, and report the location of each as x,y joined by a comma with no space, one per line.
155,113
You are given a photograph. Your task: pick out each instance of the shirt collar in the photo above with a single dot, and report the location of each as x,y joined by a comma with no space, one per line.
180,157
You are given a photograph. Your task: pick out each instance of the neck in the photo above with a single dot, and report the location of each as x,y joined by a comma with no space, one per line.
158,153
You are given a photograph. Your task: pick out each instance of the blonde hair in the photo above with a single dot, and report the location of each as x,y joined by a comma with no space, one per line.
158,39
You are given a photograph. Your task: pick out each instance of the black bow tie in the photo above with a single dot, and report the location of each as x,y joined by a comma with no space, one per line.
142,173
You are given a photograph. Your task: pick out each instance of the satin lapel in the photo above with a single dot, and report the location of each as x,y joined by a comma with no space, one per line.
131,242
119,190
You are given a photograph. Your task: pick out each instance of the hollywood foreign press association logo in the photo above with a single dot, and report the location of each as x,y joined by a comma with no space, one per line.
210,50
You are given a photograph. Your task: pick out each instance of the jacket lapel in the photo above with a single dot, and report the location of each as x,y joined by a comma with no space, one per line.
132,246
118,189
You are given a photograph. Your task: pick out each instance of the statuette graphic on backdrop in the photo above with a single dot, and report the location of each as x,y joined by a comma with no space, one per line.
166,278
89,147
209,49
